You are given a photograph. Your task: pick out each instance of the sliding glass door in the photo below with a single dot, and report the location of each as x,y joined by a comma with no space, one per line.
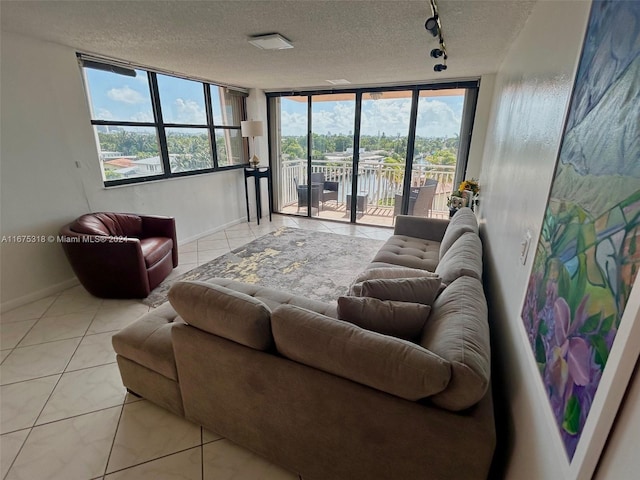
436,151
384,132
291,169
332,122
369,155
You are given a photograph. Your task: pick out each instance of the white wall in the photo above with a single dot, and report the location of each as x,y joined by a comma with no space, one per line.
50,172
532,91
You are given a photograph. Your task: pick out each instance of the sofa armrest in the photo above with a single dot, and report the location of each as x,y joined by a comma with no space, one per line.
420,227
158,226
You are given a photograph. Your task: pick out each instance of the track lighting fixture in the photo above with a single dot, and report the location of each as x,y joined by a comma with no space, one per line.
434,26
431,25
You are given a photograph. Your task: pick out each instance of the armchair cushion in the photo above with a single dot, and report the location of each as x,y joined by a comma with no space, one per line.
155,249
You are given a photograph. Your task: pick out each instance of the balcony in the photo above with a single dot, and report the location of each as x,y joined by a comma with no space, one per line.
380,181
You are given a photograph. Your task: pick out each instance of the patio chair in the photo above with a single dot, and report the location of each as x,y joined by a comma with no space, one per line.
420,199
303,195
329,190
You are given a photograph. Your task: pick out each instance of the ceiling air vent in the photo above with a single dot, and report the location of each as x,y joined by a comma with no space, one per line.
272,41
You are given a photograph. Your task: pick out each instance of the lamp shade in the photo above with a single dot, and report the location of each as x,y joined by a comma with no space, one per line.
251,128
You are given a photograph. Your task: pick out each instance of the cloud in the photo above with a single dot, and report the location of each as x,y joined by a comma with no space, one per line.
338,120
142,117
125,95
188,111
437,119
104,114
391,117
293,124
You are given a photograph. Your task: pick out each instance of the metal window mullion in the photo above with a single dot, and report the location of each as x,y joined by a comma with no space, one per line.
309,150
210,125
157,113
356,157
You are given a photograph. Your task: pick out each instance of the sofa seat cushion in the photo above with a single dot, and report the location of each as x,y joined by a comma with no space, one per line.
155,249
409,252
397,319
385,363
223,312
147,341
463,259
273,298
463,221
458,331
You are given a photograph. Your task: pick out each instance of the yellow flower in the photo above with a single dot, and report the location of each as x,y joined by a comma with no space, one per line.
470,185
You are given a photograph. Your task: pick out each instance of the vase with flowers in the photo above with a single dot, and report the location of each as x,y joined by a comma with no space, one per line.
465,196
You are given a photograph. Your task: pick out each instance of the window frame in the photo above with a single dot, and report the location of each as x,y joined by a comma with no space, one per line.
160,126
471,87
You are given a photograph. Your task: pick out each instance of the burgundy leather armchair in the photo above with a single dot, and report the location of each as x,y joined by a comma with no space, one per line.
121,255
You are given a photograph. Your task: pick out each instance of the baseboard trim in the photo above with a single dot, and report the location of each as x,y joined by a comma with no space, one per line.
40,294
211,231
72,282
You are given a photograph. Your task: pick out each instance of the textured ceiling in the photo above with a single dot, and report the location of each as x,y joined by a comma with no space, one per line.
367,42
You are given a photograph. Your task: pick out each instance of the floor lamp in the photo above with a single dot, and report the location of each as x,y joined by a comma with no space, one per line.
252,129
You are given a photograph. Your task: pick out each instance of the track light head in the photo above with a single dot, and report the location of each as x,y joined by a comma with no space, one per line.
436,53
439,67
431,25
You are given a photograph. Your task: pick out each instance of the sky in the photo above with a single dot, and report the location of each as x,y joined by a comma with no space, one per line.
437,116
121,98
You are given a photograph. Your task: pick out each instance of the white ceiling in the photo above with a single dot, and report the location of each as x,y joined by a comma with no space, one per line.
367,42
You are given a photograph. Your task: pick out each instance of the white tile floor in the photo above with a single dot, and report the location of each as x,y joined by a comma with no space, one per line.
64,413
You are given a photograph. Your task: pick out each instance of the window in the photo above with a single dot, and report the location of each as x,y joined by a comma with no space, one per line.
150,125
399,150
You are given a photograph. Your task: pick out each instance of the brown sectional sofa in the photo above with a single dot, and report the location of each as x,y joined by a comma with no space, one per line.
282,376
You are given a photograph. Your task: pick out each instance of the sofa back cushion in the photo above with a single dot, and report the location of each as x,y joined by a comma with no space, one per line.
391,271
111,224
223,312
463,259
397,319
385,363
463,221
415,290
458,331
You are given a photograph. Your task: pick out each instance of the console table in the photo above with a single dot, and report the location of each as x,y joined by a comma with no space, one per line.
257,174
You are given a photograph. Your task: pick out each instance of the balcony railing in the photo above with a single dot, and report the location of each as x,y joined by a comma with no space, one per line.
381,181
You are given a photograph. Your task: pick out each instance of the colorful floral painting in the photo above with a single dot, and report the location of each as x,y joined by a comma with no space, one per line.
588,254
